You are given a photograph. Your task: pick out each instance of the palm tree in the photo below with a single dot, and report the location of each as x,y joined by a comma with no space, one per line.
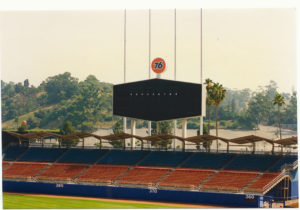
209,101
279,101
218,93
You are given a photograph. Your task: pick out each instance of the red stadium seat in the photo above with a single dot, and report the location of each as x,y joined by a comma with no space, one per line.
262,181
143,175
62,171
186,177
229,180
102,173
23,169
5,164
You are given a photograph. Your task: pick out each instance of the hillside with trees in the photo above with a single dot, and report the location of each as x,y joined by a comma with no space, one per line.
56,100
87,105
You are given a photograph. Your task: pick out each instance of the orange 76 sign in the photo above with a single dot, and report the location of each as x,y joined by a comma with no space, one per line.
158,65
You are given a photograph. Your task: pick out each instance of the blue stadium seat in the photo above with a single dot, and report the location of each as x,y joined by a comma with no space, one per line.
206,161
164,158
122,157
41,154
284,160
12,152
251,162
81,156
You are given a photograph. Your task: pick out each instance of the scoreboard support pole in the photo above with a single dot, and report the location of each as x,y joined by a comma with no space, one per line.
174,133
133,125
184,131
124,130
124,124
149,133
201,125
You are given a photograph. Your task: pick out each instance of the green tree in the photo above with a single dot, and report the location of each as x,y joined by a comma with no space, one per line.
289,116
209,101
117,129
206,144
22,128
279,101
31,123
17,121
26,83
218,93
164,127
66,129
60,87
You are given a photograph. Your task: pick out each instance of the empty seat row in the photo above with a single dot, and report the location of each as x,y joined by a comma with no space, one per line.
12,152
206,160
122,157
186,178
5,164
229,180
143,175
23,169
164,158
102,173
289,160
261,182
139,175
41,154
81,156
273,163
252,162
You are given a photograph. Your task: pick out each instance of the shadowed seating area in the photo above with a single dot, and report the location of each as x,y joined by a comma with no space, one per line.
41,154
252,162
206,160
12,152
164,158
122,157
289,160
81,156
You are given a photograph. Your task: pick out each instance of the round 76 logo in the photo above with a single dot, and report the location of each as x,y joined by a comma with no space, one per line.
158,65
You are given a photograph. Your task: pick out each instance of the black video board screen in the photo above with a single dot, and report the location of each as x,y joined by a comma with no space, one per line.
157,99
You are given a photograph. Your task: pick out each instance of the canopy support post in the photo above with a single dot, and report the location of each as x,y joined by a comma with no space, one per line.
82,143
272,148
19,141
100,144
227,147
254,148
43,142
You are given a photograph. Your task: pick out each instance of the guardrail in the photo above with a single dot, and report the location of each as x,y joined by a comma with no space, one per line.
165,149
282,174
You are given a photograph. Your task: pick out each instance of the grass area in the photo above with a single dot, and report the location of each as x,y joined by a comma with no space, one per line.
39,202
11,124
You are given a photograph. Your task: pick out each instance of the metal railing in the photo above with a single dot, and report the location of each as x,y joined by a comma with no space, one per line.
53,145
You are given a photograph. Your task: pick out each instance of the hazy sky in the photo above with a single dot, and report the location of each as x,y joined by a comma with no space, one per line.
242,48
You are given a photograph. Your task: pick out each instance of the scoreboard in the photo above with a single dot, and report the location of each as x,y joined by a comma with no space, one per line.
157,99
